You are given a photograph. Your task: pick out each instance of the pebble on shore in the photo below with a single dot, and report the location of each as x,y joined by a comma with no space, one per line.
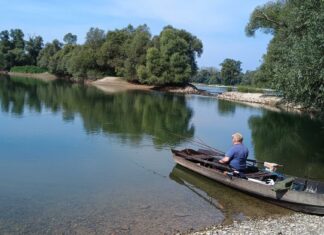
296,223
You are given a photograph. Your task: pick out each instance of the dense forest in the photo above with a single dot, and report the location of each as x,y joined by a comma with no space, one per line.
132,53
293,64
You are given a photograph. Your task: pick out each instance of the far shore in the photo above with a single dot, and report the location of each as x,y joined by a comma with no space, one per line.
42,76
118,84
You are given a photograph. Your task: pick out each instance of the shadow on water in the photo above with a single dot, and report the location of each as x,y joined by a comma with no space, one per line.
233,204
296,141
130,115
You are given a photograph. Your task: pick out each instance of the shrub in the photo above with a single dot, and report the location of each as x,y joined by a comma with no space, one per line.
249,89
28,69
229,88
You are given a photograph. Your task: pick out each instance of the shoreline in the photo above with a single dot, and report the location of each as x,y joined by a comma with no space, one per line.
296,223
111,84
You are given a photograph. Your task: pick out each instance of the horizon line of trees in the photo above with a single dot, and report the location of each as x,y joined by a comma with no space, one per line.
293,64
230,74
132,53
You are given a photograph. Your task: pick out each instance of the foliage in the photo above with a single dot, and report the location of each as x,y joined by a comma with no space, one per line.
209,75
249,89
70,39
112,54
255,78
136,48
12,49
171,59
33,47
294,62
46,54
132,53
231,72
95,37
28,69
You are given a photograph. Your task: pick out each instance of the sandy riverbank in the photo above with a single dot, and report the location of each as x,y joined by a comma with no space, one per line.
117,84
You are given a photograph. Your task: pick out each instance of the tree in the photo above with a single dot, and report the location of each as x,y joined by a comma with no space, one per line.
208,75
33,47
70,39
5,44
12,47
112,53
294,60
46,54
173,61
95,38
136,48
231,71
17,38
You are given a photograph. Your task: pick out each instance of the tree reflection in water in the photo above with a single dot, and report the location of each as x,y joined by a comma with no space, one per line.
295,141
131,115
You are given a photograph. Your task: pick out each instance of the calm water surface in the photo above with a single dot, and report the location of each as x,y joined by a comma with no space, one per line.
76,160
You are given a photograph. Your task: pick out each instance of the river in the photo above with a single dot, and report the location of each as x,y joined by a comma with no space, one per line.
76,160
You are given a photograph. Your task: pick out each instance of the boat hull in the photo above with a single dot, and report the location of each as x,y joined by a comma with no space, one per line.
311,203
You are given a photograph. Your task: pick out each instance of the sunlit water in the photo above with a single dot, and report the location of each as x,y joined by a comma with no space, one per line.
76,160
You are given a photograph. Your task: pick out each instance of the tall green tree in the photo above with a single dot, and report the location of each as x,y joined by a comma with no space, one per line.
173,61
95,38
33,47
231,71
294,61
70,39
48,52
112,53
136,47
208,75
17,38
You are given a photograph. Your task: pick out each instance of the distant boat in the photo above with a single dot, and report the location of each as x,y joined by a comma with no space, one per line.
298,194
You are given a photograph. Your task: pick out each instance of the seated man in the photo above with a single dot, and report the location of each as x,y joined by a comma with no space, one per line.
236,156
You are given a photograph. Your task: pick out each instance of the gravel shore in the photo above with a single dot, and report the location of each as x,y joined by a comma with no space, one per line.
296,223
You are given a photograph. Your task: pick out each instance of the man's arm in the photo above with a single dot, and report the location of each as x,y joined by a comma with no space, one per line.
224,160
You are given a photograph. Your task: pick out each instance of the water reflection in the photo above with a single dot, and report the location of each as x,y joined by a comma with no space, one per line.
234,204
226,108
295,141
131,115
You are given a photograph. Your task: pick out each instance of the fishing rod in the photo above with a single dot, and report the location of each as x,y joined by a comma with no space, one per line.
217,153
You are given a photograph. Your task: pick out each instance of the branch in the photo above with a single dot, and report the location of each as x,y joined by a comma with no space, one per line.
266,17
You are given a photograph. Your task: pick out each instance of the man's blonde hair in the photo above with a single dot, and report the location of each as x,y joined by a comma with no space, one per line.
238,137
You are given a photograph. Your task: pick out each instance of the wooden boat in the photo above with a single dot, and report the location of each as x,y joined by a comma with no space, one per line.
298,194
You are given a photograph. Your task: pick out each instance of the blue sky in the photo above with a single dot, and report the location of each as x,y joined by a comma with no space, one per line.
218,23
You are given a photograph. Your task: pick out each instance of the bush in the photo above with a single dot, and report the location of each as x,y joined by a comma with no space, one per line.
249,89
28,69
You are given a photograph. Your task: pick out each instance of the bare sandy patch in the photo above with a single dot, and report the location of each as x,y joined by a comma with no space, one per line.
117,84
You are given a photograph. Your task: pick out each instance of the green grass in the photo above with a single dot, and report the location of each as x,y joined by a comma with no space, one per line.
28,69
